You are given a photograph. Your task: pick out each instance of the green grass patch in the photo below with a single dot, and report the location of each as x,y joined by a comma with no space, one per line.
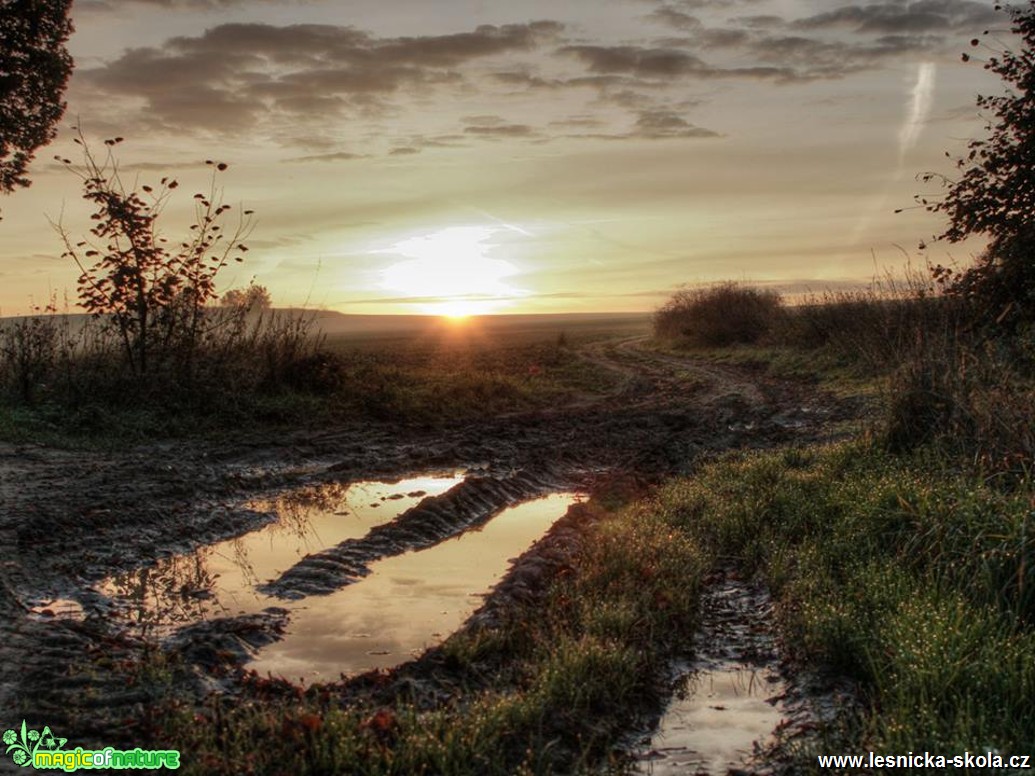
914,580
821,366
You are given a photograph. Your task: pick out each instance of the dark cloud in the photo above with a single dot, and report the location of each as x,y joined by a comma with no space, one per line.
923,16
813,48
501,130
526,80
637,60
673,17
492,126
658,124
668,63
655,124
236,75
695,5
760,21
109,6
722,37
578,121
338,156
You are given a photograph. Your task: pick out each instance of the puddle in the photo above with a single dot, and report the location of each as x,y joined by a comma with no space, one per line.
715,725
57,608
221,579
728,709
408,602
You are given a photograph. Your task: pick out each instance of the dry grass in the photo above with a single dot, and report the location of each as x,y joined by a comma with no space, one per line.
717,316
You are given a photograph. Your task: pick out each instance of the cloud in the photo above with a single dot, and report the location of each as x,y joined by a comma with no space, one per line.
760,21
337,156
110,6
668,63
502,130
832,44
234,76
492,126
904,17
655,124
673,17
637,60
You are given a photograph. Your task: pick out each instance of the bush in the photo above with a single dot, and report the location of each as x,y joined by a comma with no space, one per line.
152,294
973,399
875,328
724,314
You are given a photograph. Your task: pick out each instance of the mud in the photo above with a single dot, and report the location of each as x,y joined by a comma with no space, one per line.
70,519
729,696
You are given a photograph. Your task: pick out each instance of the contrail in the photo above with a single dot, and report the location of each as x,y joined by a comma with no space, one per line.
921,100
500,221
919,108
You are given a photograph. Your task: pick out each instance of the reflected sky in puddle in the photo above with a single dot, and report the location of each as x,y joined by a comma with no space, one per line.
408,602
57,608
716,722
220,579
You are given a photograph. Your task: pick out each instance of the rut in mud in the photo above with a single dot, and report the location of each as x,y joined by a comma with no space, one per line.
72,520
467,505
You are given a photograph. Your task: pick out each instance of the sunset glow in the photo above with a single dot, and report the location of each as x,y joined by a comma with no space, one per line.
450,272
532,157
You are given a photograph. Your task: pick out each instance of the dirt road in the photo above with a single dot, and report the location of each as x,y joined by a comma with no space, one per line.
72,518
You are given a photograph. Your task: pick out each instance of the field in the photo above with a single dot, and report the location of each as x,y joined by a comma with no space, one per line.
882,591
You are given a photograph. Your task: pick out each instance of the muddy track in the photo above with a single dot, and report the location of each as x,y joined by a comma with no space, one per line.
71,518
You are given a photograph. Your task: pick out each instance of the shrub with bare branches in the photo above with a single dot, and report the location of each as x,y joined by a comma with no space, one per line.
153,295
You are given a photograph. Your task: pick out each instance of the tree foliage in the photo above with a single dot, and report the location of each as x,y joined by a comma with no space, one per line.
153,294
994,196
251,299
34,68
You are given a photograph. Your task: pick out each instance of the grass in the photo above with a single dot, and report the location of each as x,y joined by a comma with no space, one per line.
449,380
61,381
903,561
915,581
548,690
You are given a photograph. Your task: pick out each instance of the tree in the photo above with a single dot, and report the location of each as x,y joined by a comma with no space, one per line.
34,68
251,299
153,296
995,195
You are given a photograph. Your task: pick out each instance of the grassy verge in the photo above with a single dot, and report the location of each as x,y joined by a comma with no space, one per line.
914,580
431,382
443,382
549,690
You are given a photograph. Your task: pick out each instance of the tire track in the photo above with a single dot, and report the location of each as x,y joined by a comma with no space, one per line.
437,518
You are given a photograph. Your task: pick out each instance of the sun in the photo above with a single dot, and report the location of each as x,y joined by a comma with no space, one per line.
458,312
449,273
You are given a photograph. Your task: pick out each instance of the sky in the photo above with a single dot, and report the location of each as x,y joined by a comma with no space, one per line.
473,156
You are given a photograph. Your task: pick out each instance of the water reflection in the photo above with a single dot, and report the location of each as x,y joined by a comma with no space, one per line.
220,579
408,602
716,723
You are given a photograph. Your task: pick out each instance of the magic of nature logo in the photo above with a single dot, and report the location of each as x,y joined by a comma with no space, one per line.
45,751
